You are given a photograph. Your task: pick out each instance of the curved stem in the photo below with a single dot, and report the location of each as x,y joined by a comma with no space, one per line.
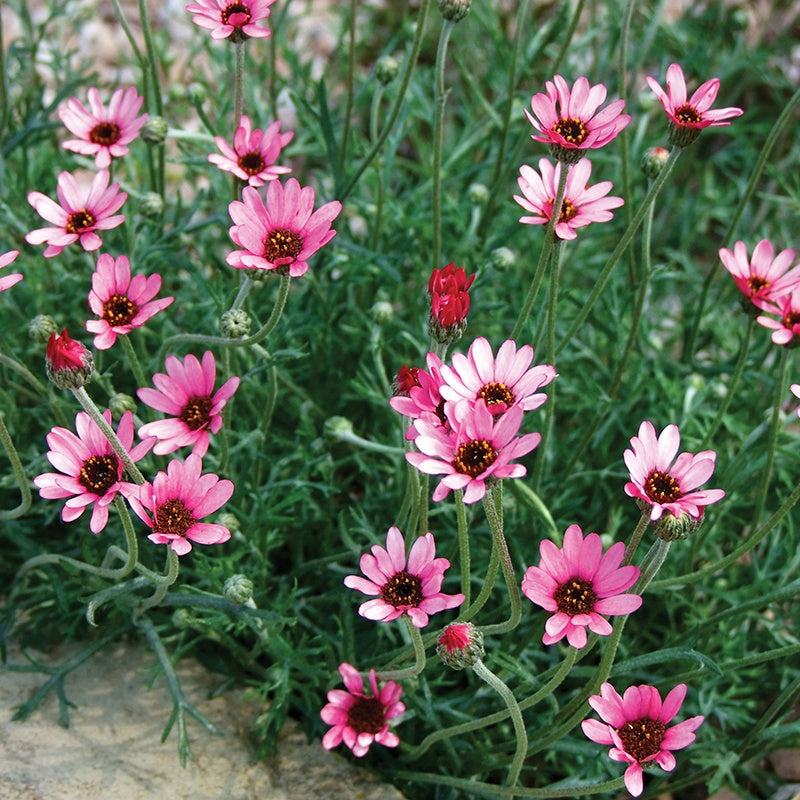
244,289
438,126
463,546
419,656
19,474
486,587
133,361
163,582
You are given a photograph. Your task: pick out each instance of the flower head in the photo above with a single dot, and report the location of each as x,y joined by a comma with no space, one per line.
578,582
448,288
689,117
787,327
400,588
104,134
283,234
78,215
7,281
187,393
254,153
762,279
666,483
460,645
635,725
69,364
405,381
582,203
423,398
177,500
90,472
121,303
568,120
479,447
231,20
359,719
500,382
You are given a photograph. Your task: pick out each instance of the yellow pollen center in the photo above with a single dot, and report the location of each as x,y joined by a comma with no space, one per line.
757,283
642,737
687,115
196,412
173,517
79,221
474,457
281,243
99,473
571,130
791,318
403,589
661,487
575,596
119,310
496,392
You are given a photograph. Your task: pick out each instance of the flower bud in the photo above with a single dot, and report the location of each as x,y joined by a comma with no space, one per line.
238,589
454,10
337,428
477,194
460,645
681,135
653,161
386,69
235,323
154,131
669,528
448,288
502,258
382,312
69,364
229,520
41,327
196,93
119,403
151,206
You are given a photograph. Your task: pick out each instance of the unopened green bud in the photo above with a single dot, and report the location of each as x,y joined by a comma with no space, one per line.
238,589
154,131
182,619
502,258
386,69
337,428
382,312
151,205
653,161
119,403
454,10
228,520
477,194
235,323
196,93
669,528
41,327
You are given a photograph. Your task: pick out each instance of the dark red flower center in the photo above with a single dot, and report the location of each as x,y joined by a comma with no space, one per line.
251,163
642,737
494,393
439,411
661,487
196,412
99,473
571,130
791,318
366,715
474,457
119,310
403,589
240,13
79,221
173,517
757,283
687,115
282,243
576,596
105,133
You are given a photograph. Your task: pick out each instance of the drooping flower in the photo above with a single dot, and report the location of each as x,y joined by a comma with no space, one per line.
69,364
568,120
666,483
400,588
231,20
762,279
254,153
104,134
582,204
90,472
283,234
688,118
7,281
187,393
177,500
479,447
423,400
788,326
500,382
448,288
635,725
359,719
578,582
79,216
122,303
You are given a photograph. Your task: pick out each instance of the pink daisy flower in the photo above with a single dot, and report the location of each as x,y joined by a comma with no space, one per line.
235,21
283,234
479,448
502,382
401,589
187,393
423,400
7,281
636,727
788,326
582,203
578,582
90,472
80,214
568,120
120,302
254,153
664,482
688,118
177,500
359,719
104,134
764,277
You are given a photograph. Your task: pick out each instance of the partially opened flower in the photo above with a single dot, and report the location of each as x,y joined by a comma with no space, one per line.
103,133
788,326
423,399
448,289
479,448
69,364
254,153
399,588
122,303
79,213
174,504
568,119
582,204
89,471
666,483
636,727
187,393
765,277
502,382
405,381
283,234
579,583
7,281
231,20
689,117
359,719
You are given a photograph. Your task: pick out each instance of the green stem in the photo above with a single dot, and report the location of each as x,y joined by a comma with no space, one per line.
486,586
485,674
4,106
636,537
573,26
622,89
152,61
377,219
238,84
133,361
651,564
19,474
351,69
438,126
244,289
419,656
463,546
162,582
